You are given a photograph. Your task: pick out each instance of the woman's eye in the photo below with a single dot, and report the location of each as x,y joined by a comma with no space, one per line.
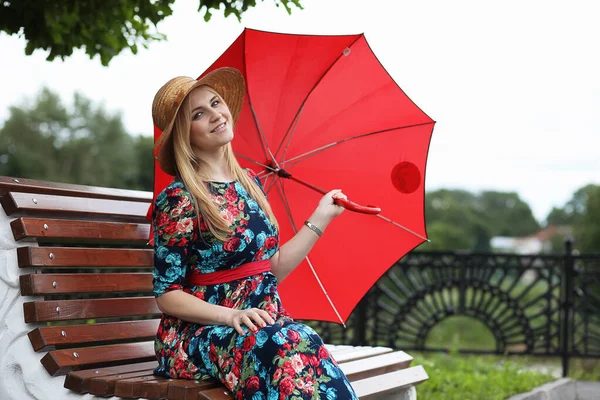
198,115
215,103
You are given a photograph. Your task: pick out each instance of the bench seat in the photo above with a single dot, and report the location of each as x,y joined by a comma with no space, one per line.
78,277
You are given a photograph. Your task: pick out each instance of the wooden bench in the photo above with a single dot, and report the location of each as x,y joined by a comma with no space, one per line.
78,257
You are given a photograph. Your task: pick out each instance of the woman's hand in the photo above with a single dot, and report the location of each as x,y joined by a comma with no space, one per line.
327,206
250,318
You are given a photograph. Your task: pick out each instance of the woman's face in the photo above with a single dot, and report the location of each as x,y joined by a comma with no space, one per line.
211,124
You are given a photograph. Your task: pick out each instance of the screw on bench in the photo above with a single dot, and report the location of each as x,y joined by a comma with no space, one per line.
34,200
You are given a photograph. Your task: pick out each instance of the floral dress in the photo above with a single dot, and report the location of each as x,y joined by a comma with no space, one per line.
286,360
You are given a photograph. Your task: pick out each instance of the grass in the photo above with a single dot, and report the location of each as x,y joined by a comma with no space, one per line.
461,332
459,377
456,376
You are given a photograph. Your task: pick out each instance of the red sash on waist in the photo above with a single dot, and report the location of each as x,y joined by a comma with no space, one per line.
243,271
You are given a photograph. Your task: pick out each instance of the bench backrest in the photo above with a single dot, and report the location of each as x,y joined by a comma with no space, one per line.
88,270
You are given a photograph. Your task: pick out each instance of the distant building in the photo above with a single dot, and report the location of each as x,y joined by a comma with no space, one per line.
540,242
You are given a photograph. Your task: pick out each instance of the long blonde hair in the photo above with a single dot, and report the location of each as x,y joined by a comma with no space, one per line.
190,168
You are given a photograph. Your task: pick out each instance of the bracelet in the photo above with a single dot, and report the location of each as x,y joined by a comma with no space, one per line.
313,228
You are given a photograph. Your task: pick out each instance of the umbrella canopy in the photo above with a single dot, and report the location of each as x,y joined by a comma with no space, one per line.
323,109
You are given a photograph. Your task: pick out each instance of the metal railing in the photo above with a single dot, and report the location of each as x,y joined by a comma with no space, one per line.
541,305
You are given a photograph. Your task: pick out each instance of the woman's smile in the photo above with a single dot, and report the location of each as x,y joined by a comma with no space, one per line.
220,128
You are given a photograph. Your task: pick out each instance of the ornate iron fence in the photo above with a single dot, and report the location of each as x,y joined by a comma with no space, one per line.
542,305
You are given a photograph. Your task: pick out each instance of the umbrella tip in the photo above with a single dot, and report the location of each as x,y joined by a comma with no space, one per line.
428,241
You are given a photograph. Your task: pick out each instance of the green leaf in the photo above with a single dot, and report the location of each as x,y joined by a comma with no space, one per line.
59,27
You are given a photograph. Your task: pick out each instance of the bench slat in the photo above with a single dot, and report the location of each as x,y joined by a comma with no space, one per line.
155,389
132,387
58,257
377,365
105,386
62,310
80,381
52,337
59,362
19,204
361,352
182,389
220,393
372,388
99,232
48,284
9,184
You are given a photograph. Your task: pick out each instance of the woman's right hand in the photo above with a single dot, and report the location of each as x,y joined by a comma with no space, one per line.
250,318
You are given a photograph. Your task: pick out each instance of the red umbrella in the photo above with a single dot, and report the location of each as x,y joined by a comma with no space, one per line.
324,110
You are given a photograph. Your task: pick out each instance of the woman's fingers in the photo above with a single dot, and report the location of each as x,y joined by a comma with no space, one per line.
250,318
248,322
340,195
237,325
260,317
266,317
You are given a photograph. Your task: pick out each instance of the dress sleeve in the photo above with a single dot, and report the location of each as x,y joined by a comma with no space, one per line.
175,229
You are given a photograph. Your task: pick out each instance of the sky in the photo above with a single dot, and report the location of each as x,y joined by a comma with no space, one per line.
513,85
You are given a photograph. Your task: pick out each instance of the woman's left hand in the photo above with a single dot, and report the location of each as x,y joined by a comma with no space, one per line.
327,204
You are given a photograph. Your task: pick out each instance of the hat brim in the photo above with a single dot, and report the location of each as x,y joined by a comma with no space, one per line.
229,84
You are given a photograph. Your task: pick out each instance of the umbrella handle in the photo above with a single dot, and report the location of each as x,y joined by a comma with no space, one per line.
352,206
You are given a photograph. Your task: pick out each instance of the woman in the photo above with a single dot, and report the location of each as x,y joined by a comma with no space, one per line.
217,259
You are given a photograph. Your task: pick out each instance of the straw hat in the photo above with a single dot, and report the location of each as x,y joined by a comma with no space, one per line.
227,82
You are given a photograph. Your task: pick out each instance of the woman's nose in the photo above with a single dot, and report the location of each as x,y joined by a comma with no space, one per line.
215,116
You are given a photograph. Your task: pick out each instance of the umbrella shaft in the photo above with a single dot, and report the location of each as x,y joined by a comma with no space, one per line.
308,185
347,204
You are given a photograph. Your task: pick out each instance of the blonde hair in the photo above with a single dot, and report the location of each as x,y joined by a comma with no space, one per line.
190,168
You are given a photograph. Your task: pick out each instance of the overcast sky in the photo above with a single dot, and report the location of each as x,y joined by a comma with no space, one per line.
514,85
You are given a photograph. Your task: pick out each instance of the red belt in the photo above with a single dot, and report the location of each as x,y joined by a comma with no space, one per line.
243,271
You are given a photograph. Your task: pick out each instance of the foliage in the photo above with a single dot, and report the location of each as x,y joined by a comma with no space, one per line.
101,28
559,216
453,377
84,145
582,212
460,220
587,228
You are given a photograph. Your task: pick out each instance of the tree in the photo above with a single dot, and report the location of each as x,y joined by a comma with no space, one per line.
84,145
558,217
581,213
507,214
587,226
103,28
460,220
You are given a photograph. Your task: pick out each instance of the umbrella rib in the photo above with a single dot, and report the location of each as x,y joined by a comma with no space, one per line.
289,131
266,184
252,160
295,124
273,182
288,212
314,152
325,291
402,226
263,139
286,206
